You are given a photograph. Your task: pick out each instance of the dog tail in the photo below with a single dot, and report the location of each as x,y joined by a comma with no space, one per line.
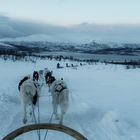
35,98
21,82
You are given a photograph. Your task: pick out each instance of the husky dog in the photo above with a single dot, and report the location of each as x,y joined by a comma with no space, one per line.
60,96
29,95
41,80
45,71
38,80
35,76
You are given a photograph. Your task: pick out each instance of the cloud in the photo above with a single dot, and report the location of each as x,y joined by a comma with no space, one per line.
82,33
17,28
6,28
4,14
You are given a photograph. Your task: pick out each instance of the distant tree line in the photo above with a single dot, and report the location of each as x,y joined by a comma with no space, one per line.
131,64
18,55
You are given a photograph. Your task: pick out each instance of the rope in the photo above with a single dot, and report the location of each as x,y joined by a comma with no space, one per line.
38,118
47,129
38,131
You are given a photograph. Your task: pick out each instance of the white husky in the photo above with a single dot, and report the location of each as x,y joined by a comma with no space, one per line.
60,96
29,95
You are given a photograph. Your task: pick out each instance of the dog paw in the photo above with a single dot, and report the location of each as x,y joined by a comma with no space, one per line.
24,121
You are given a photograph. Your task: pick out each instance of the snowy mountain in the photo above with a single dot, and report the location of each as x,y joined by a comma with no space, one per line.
82,38
5,46
92,50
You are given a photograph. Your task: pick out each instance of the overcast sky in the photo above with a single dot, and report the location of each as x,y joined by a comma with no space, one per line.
68,12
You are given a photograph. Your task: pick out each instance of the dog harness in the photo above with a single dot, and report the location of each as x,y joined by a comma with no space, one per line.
60,89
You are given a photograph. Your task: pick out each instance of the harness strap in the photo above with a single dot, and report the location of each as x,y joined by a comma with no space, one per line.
35,85
62,88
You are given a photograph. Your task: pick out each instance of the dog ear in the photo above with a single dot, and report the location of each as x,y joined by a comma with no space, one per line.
51,72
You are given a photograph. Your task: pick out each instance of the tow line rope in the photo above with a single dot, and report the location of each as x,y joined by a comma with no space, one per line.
34,117
38,131
47,129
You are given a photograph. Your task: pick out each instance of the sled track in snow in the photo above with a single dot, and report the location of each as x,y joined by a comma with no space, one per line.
55,127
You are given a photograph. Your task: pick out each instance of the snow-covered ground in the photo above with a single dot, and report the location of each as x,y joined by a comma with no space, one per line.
104,100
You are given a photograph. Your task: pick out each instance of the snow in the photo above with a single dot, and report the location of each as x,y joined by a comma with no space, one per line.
3,45
104,100
67,38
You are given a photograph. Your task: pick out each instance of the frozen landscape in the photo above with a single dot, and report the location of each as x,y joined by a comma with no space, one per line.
104,100
96,43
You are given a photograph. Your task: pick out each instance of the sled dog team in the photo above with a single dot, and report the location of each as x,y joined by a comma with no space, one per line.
30,87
